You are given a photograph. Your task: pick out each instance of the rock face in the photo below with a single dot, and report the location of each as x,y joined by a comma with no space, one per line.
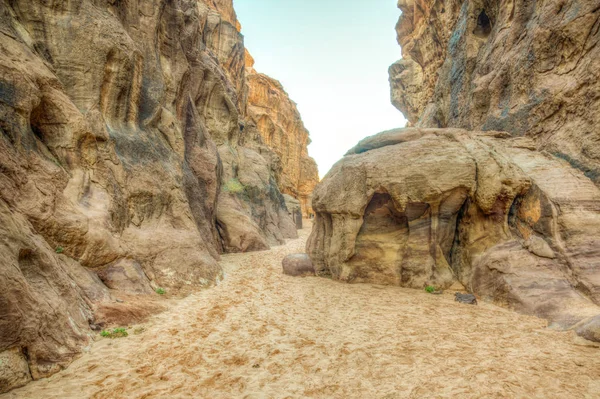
513,225
528,69
281,128
294,209
510,206
14,371
127,162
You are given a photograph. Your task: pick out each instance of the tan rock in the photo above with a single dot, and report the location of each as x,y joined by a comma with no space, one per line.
43,310
472,207
125,275
298,265
590,329
281,128
14,371
532,72
115,154
526,236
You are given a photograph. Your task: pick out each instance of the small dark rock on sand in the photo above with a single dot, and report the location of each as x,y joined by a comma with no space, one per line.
465,298
298,265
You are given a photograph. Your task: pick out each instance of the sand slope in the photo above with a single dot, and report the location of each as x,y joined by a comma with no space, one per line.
260,334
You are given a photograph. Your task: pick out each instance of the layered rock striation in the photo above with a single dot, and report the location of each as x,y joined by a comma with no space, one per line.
281,128
529,69
509,223
126,164
497,186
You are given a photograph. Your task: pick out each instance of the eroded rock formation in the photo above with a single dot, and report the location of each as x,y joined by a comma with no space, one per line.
528,68
126,164
281,128
512,224
508,207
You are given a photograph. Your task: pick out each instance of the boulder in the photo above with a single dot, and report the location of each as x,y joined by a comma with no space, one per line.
469,299
514,226
298,265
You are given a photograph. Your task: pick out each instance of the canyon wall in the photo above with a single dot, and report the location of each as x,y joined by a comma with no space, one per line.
127,163
281,128
496,183
527,68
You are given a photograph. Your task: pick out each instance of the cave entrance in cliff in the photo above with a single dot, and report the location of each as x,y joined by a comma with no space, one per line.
484,25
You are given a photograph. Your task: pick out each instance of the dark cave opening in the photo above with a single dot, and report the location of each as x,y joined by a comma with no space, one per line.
484,25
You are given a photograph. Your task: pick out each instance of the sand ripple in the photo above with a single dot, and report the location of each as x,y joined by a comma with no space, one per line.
260,334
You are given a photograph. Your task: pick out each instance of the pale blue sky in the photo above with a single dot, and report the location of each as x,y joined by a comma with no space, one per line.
332,58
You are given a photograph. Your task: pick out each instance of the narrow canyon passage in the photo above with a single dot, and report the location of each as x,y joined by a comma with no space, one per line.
260,334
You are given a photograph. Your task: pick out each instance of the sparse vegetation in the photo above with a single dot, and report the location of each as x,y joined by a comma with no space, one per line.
115,333
161,291
59,250
233,186
430,289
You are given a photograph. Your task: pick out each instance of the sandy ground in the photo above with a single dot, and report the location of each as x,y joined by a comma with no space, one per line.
260,334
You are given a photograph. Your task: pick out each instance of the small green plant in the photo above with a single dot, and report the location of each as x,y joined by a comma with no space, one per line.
233,186
430,289
115,333
59,250
161,291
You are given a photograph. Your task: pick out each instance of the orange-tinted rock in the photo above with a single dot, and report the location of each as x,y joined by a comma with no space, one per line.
281,128
14,370
125,157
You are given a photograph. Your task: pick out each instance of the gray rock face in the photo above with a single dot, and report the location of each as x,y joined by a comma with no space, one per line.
465,298
295,209
298,265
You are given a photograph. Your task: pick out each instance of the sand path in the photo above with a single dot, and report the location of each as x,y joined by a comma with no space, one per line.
260,334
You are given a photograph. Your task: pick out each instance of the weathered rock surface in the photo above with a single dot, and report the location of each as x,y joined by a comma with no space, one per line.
509,207
298,265
281,128
126,163
294,209
528,69
14,371
513,225
125,275
469,299
590,329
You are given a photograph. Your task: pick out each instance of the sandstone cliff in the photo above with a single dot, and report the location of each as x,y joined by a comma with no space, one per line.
126,164
526,68
511,224
281,128
509,206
